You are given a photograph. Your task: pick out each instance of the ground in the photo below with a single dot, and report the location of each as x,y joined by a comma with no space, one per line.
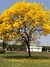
21,59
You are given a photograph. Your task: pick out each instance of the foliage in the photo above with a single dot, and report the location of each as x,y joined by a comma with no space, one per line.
23,14
1,50
16,47
45,48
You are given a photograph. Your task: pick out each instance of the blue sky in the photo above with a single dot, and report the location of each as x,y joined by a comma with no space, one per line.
5,4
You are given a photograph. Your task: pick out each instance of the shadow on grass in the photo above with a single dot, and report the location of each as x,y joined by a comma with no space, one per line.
26,57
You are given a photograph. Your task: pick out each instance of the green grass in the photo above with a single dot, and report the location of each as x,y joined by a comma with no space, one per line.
21,59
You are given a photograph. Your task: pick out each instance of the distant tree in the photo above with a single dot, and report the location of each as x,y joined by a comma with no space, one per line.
24,21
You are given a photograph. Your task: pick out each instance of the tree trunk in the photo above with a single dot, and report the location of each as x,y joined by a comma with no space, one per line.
28,46
3,46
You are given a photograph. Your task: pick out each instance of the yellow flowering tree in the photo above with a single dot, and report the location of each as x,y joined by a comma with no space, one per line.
25,21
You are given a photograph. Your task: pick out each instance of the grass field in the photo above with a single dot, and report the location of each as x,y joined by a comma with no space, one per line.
21,59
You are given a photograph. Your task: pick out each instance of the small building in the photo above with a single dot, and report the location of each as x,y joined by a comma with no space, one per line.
35,48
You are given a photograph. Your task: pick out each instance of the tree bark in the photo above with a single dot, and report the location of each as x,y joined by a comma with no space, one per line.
3,46
28,46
